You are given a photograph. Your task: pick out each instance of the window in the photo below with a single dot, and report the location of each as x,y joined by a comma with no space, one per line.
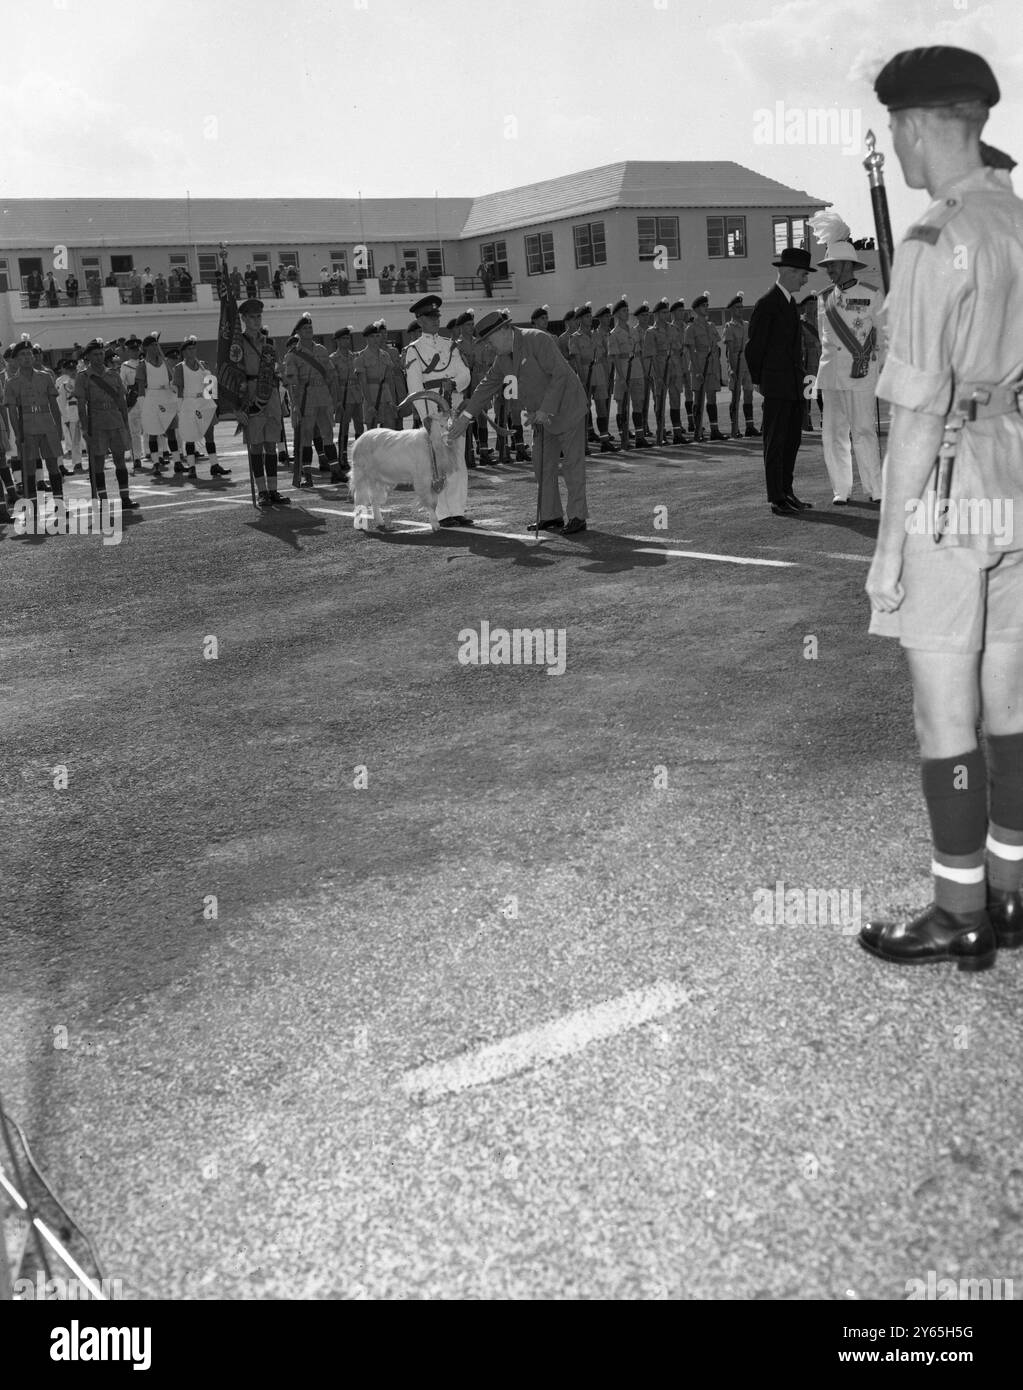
790,231
366,272
410,259
4,282
209,264
540,253
435,261
339,263
286,259
589,244
122,265
726,236
178,260
658,231
261,265
495,253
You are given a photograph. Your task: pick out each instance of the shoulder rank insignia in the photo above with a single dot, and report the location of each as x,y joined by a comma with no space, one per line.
868,286
937,217
921,232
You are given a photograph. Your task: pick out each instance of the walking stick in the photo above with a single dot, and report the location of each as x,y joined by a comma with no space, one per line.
538,446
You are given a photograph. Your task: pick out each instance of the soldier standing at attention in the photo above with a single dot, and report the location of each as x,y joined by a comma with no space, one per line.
463,339
953,379
263,420
739,379
103,411
581,349
312,389
540,318
31,400
677,380
656,347
69,416
705,355
849,323
599,381
621,347
375,372
195,385
349,398
159,402
566,336
433,363
129,373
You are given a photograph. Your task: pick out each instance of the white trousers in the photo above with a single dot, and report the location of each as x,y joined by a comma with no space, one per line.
849,415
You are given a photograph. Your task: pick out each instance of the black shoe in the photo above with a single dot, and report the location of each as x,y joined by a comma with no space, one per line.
641,442
217,472
6,517
339,475
784,508
264,502
454,521
794,501
523,455
78,468
716,434
129,504
679,437
840,501
607,447
179,467
574,524
935,935
554,523
872,502
277,500
1005,913
136,467
751,433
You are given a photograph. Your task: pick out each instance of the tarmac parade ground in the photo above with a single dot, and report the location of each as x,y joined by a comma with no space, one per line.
335,966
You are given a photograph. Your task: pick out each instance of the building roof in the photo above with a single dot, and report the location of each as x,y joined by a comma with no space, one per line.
634,184
127,222
238,221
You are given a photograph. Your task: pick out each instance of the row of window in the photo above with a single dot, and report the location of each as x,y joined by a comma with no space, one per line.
726,238
209,264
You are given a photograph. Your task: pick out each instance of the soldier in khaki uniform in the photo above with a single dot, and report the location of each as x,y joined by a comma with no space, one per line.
599,382
30,397
623,350
581,350
676,368
736,336
704,348
312,389
349,398
565,338
947,573
103,411
374,369
263,420
656,346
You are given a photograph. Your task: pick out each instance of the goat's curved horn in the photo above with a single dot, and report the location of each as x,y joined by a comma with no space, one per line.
404,405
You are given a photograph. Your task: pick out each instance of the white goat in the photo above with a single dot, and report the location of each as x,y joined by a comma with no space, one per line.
381,459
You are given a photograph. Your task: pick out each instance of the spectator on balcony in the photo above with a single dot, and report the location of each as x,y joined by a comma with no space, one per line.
51,291
111,281
401,284
34,287
173,285
424,279
251,282
292,274
147,285
340,282
485,271
325,289
236,282
160,288
278,290
185,284
71,290
135,287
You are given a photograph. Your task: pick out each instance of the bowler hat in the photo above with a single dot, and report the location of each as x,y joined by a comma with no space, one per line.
489,323
792,258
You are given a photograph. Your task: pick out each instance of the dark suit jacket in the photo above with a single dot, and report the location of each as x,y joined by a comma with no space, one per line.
774,352
545,381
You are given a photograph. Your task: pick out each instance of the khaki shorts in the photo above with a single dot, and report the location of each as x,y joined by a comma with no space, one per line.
263,428
113,440
957,600
41,446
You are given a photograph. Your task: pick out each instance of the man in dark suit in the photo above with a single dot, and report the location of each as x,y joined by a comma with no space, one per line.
774,354
547,388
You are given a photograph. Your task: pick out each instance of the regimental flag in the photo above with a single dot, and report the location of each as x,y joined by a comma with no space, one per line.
231,392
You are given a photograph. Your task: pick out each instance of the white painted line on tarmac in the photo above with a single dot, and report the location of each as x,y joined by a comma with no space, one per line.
563,1037
724,559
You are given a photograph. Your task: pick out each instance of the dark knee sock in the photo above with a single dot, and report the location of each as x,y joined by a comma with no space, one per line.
955,790
1005,831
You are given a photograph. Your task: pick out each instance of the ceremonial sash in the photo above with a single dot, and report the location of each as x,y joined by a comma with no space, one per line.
313,362
861,352
105,386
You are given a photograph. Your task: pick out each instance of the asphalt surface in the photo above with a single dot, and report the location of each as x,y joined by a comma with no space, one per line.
415,860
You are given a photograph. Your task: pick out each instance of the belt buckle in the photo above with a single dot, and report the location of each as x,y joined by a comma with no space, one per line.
980,395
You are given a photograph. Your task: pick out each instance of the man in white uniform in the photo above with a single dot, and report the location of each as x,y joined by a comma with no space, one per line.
848,318
69,416
129,372
196,389
158,399
433,363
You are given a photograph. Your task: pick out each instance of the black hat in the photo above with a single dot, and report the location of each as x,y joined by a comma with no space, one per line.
736,299
542,313
794,258
250,307
371,330
468,317
623,303
20,347
935,77
344,333
109,355
305,321
450,325
414,327
292,341
427,306
701,301
604,313
644,308
583,310
661,304
679,304
569,315
492,321
150,338
190,341
133,341
92,345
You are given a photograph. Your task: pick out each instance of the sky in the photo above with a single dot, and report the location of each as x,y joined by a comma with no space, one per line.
402,98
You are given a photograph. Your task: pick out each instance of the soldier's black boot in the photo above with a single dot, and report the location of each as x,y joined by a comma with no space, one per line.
712,413
678,434
935,935
640,440
1005,909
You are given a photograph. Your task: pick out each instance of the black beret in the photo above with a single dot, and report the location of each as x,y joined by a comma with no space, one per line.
250,306
583,310
935,77
20,347
343,333
643,308
413,327
700,299
541,313
451,323
623,303
732,302
371,330
92,345
604,313
306,319
661,304
679,304
468,317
